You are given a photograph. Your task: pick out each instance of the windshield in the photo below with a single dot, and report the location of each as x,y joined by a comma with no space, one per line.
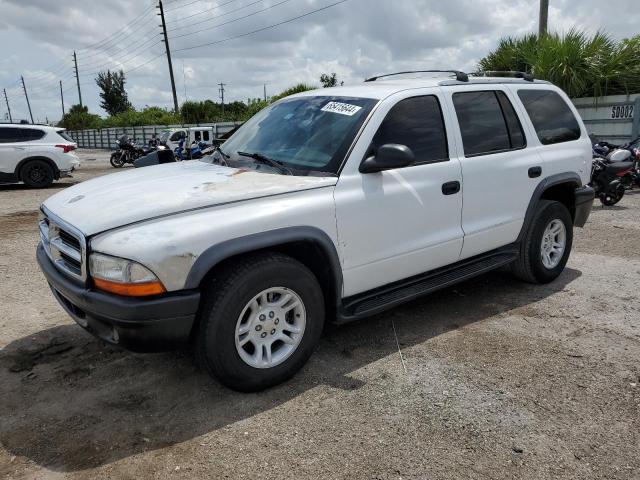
305,133
164,136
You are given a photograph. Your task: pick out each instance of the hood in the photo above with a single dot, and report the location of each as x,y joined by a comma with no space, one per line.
127,197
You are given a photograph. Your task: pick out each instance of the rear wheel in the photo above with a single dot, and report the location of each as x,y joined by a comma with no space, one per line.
547,244
37,174
260,322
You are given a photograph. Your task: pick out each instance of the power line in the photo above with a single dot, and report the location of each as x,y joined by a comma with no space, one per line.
232,21
261,29
139,49
176,7
202,11
208,19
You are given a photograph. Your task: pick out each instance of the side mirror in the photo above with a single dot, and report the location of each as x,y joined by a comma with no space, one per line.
389,156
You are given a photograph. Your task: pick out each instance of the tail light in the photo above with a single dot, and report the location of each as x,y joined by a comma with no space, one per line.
623,173
66,148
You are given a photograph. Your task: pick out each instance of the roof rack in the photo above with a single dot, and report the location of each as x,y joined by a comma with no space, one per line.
505,73
460,76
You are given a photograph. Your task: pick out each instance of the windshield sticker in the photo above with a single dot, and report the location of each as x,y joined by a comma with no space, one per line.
341,108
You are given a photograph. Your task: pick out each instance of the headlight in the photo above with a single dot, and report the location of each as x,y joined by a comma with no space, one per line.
122,276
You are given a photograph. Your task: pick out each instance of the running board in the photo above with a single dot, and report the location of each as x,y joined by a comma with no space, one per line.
383,298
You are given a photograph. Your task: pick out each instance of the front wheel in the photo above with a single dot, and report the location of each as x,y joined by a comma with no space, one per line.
260,322
37,174
612,195
116,160
547,244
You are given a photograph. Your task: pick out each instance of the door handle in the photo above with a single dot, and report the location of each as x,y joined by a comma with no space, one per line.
535,172
450,188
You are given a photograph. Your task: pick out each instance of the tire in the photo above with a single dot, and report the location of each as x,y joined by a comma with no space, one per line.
612,196
116,160
530,265
228,317
37,174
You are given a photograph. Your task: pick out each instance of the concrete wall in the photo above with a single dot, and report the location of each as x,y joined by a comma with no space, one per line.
615,118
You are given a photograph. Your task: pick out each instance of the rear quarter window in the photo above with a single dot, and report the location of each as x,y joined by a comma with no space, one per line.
552,118
64,135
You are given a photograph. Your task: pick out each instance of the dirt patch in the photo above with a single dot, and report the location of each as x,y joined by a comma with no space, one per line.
503,380
18,222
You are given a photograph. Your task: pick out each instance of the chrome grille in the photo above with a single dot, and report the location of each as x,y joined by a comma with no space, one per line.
64,244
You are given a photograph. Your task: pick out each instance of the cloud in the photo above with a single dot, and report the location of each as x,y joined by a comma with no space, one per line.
355,39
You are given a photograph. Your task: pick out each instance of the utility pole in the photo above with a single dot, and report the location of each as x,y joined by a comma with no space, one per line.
544,16
265,92
166,44
222,95
27,97
75,62
8,108
61,98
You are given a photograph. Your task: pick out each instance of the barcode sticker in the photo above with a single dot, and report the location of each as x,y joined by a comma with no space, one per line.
341,108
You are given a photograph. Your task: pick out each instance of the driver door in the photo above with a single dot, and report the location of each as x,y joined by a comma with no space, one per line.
399,223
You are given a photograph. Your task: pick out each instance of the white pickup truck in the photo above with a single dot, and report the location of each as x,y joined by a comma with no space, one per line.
330,205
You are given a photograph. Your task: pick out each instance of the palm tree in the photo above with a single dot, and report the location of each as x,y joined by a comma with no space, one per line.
582,65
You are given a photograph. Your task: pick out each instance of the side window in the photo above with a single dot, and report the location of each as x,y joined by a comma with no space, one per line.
482,124
10,135
516,134
29,134
417,123
552,118
197,135
205,135
176,136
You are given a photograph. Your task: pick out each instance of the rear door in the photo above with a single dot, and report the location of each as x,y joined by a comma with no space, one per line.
499,172
12,149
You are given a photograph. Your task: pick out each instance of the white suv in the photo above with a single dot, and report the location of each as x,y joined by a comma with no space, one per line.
35,154
330,205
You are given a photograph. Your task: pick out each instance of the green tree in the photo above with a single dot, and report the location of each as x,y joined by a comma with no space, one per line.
583,65
300,87
329,80
113,95
79,118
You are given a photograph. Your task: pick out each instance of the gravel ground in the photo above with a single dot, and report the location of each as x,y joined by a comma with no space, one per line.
502,380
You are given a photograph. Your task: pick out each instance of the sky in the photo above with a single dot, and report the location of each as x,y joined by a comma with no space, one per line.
247,44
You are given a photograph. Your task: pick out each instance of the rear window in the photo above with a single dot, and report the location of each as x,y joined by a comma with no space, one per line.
64,135
552,118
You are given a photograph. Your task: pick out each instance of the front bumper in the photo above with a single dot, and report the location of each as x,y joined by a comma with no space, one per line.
583,201
138,324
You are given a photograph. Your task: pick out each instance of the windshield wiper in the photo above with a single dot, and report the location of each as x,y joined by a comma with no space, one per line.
268,161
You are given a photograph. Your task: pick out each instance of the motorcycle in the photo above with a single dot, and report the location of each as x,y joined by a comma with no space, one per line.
628,152
606,179
127,152
194,152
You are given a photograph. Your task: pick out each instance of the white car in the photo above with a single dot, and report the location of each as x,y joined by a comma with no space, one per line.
329,205
35,154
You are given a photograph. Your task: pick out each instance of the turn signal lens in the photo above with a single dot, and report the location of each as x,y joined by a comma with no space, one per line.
130,289
123,277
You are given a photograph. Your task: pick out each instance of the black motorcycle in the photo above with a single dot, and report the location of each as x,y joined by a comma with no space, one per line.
127,152
606,179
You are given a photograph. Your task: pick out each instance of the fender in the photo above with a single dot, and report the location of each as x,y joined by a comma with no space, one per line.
557,179
56,171
257,241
